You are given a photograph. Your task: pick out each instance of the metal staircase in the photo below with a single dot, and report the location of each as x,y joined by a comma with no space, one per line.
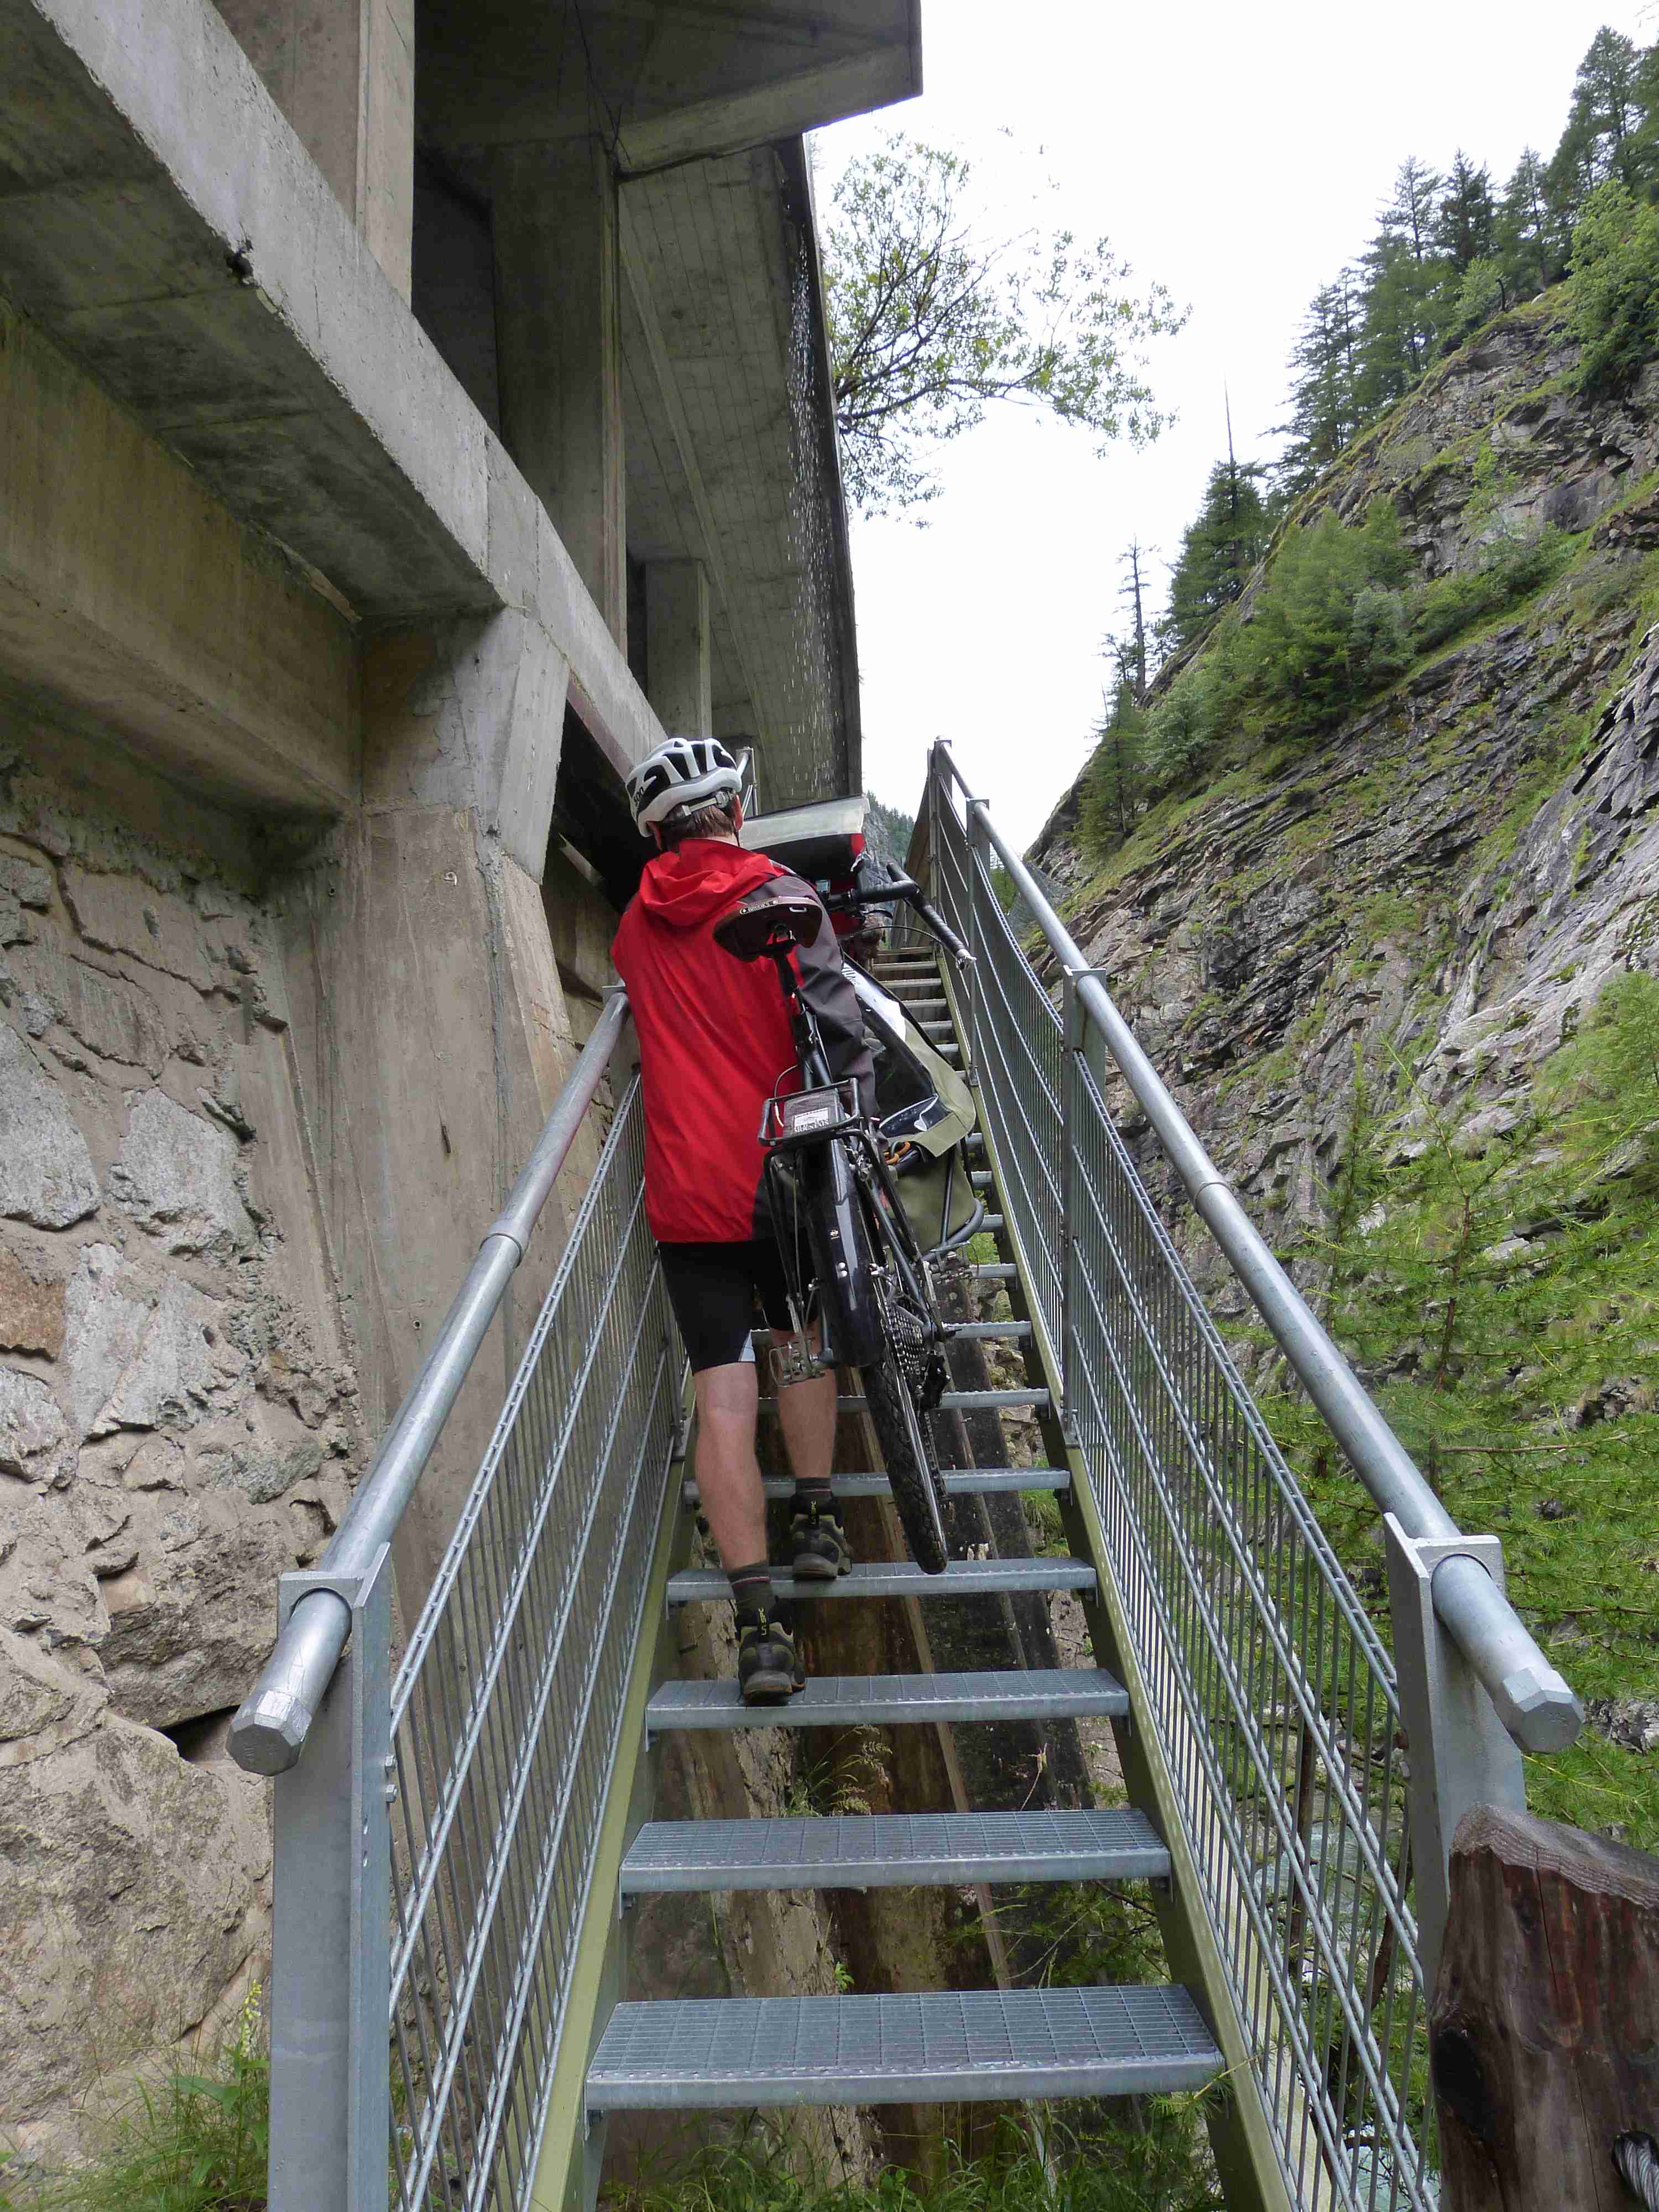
888,2049
458,1818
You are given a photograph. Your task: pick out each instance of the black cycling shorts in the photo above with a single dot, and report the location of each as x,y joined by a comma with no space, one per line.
713,1289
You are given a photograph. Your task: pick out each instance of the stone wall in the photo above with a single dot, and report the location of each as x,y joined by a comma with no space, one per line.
178,1419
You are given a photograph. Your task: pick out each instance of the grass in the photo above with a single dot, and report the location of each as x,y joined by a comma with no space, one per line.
196,2143
1043,2164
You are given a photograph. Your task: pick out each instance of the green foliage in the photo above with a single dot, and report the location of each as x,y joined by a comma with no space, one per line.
1448,255
1492,1283
931,320
1615,286
1154,2167
1302,662
1114,780
1512,572
197,2143
1219,549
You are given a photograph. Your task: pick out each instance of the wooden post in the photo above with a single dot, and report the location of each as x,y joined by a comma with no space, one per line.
1544,2030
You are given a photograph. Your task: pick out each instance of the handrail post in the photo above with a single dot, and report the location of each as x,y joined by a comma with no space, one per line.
1459,1752
331,1922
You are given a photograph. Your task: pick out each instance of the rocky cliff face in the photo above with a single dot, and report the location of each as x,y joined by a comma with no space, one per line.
1403,983
177,1428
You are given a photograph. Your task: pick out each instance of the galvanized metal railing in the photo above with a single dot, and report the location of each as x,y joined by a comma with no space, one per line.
1319,1851
436,1824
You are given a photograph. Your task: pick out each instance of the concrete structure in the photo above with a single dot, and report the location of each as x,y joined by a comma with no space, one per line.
408,409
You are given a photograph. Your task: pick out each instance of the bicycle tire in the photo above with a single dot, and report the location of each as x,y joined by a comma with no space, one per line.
915,1485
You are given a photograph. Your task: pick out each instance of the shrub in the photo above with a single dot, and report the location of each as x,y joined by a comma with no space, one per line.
1615,287
1512,571
1302,663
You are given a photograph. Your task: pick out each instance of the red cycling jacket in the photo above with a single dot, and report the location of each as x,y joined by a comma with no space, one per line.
714,1040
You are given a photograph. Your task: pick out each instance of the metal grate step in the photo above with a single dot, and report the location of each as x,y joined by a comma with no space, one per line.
953,1401
844,1700
933,2047
899,1578
889,1851
965,1331
965,1482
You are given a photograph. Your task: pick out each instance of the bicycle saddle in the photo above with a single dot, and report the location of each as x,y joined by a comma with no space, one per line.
771,925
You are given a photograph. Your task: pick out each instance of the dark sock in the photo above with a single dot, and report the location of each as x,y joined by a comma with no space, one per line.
751,1592
813,1493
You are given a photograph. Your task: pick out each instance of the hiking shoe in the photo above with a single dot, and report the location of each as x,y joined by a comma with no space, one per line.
820,1549
769,1666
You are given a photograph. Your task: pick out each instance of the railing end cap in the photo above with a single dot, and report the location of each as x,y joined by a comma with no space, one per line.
1539,1706
268,1733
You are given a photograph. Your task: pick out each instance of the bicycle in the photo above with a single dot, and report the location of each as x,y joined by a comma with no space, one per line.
854,1271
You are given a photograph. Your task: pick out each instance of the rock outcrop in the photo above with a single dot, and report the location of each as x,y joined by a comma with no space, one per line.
178,1427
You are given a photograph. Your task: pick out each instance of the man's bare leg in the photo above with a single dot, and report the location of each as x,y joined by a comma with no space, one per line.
734,1502
806,1414
807,1411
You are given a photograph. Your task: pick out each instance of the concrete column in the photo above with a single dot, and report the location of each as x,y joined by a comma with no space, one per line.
430,1024
342,71
558,340
676,646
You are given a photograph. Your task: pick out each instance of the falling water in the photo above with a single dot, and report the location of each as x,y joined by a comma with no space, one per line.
813,701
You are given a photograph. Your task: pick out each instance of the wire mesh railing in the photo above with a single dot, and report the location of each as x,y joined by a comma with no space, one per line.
505,1708
437,1825
1273,1700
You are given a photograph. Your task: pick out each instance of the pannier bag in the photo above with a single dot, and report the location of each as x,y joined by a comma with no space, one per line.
925,1111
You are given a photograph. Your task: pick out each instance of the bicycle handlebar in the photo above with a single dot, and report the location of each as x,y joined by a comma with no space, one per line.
911,893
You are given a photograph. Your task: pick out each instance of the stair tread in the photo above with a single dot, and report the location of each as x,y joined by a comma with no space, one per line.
901,2047
964,1401
830,1700
899,1578
965,1331
961,1482
892,1850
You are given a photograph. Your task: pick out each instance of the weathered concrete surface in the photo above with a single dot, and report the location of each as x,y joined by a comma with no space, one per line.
558,331
168,227
676,646
431,1040
343,74
177,1420
129,594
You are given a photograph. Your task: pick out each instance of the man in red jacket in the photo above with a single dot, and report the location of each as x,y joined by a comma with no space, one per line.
715,1041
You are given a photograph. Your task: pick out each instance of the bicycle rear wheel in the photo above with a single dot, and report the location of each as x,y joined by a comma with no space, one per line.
902,1431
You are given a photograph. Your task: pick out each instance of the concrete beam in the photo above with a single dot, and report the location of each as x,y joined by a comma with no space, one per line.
558,334
676,646
131,601
164,223
342,71
756,116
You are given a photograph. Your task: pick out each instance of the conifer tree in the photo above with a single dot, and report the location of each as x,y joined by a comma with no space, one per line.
1113,783
1531,233
1219,549
1466,221
1604,138
1324,387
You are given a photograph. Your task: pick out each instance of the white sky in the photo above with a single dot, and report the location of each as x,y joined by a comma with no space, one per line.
1239,156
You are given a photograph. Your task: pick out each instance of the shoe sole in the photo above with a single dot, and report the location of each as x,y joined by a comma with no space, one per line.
809,1567
768,1689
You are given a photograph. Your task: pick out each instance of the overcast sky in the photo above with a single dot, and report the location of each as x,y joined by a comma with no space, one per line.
1239,156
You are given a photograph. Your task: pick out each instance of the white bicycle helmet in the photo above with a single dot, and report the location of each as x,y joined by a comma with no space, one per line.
682,771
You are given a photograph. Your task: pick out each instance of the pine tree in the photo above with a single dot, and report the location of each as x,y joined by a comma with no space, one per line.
1604,138
1466,221
1114,780
1404,278
1219,549
1133,664
1531,230
1324,380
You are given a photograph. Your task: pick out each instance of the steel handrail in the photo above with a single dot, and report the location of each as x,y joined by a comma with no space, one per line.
269,1732
1535,1702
